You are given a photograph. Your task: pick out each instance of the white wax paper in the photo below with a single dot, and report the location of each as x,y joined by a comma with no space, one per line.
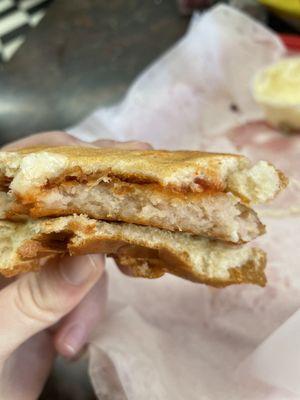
170,339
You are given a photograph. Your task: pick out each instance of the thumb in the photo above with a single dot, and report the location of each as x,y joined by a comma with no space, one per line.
38,300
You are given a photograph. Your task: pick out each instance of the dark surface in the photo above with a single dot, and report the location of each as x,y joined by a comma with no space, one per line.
279,25
84,54
69,381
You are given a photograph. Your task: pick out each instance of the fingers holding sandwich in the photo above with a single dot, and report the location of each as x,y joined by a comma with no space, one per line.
61,138
36,301
36,298
75,329
129,145
54,138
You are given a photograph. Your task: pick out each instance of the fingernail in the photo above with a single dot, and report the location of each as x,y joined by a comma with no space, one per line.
78,270
74,339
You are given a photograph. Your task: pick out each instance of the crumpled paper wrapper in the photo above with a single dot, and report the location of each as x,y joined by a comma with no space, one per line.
170,339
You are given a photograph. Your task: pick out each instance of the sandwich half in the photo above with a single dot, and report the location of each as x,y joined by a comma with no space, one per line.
147,251
203,194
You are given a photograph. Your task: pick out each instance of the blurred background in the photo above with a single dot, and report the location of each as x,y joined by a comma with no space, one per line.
62,59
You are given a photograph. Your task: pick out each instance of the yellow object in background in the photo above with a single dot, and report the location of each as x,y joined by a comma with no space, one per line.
290,8
277,89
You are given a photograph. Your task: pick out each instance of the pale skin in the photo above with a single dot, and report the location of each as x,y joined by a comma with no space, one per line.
53,311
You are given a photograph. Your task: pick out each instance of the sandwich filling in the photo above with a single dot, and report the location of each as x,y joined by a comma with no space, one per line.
218,215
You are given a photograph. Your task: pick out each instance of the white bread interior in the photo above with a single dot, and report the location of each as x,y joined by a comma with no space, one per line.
216,215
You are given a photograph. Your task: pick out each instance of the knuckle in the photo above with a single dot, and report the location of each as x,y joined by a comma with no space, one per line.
142,145
63,136
136,145
69,137
34,303
54,138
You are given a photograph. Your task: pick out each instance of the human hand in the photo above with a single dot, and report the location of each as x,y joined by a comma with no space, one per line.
52,311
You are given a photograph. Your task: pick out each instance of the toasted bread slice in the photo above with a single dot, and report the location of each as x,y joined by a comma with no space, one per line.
30,169
148,252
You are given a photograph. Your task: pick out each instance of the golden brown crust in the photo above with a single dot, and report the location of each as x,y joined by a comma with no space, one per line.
149,268
284,181
164,157
205,170
248,274
152,268
80,235
32,265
